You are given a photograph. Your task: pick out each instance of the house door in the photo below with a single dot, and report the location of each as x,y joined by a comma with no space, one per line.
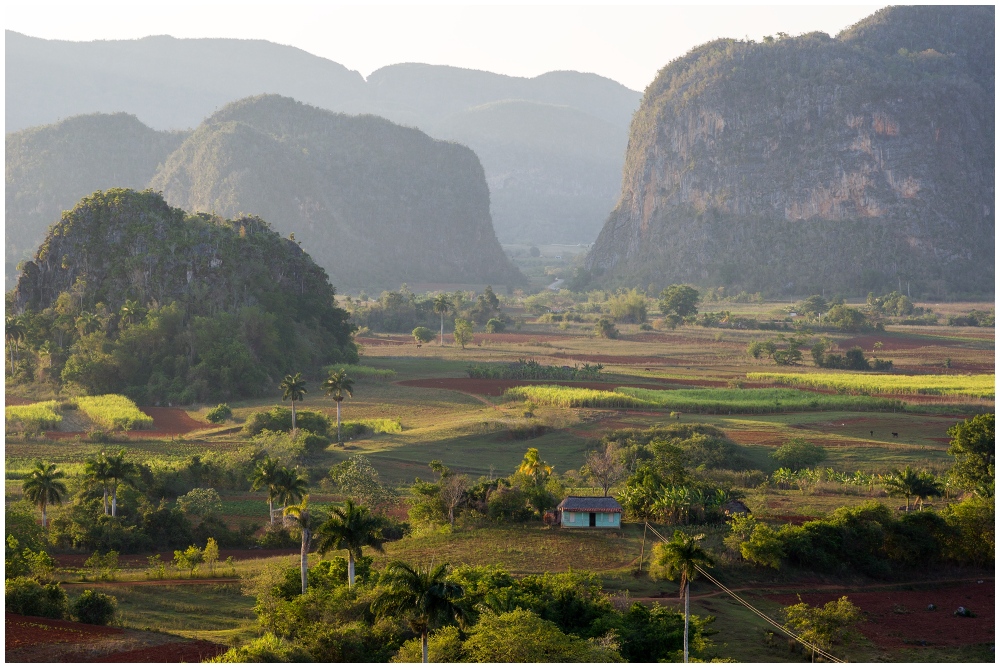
593,519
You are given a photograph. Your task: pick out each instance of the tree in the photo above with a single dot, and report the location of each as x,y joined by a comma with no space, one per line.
120,470
265,474
211,554
813,305
13,334
534,467
424,597
904,483
350,528
463,332
43,486
605,329
824,626
423,335
441,306
290,487
604,466
681,557
973,445
188,559
200,502
358,479
799,453
452,492
679,300
522,636
337,385
97,470
307,523
295,389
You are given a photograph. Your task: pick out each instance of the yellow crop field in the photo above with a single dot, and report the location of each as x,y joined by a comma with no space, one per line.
979,385
114,412
33,417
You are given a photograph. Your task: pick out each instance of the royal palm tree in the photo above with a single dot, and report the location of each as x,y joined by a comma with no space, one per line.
424,597
266,475
43,486
350,528
681,557
929,486
13,334
905,483
441,306
337,385
295,389
290,487
97,471
119,470
307,523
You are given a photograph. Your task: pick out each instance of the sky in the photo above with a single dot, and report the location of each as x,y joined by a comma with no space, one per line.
626,43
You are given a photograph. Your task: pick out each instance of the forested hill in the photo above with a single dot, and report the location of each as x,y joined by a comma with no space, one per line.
127,294
810,163
559,193
50,168
374,203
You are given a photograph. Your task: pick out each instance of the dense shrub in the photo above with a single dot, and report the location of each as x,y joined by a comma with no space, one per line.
279,418
508,505
220,414
25,596
94,608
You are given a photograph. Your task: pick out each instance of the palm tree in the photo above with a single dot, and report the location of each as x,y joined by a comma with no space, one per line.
904,483
43,486
307,523
681,557
119,470
86,323
350,528
337,384
97,471
441,306
290,487
13,334
533,466
295,389
424,597
130,311
928,487
265,474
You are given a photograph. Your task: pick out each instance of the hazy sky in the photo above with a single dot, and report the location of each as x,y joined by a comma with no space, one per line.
625,43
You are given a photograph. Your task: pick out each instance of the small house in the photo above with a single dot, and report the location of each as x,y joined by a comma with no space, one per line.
601,512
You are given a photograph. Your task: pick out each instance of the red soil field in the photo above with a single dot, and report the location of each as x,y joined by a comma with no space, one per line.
901,618
498,387
15,401
188,651
21,631
166,422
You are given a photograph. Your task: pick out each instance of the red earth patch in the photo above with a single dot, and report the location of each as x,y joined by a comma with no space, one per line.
901,618
166,422
22,631
190,651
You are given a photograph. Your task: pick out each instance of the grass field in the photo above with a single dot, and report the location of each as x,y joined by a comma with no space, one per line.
38,416
114,412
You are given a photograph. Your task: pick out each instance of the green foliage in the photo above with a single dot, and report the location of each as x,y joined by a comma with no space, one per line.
523,636
973,537
94,608
605,329
37,565
25,596
831,624
973,445
266,649
220,414
103,566
444,645
798,453
679,300
463,332
356,478
627,306
753,400
423,334
200,502
763,547
495,326
188,559
532,370
573,397
279,419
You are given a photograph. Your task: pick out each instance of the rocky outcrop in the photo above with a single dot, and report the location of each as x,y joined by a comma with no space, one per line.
811,163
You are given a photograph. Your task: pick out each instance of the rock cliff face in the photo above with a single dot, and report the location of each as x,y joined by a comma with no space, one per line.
374,203
802,164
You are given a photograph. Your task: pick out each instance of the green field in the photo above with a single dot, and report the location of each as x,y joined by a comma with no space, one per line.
978,386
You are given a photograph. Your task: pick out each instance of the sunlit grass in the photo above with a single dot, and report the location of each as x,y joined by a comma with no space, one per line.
979,385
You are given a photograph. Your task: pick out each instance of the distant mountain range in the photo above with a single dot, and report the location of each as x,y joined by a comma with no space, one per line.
807,164
557,193
374,203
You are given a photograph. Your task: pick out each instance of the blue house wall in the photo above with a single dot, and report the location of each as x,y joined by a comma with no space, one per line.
576,519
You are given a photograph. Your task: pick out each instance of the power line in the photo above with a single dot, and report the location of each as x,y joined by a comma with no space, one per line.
819,650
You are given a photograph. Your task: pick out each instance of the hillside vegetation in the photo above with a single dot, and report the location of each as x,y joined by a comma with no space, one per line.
129,295
795,165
